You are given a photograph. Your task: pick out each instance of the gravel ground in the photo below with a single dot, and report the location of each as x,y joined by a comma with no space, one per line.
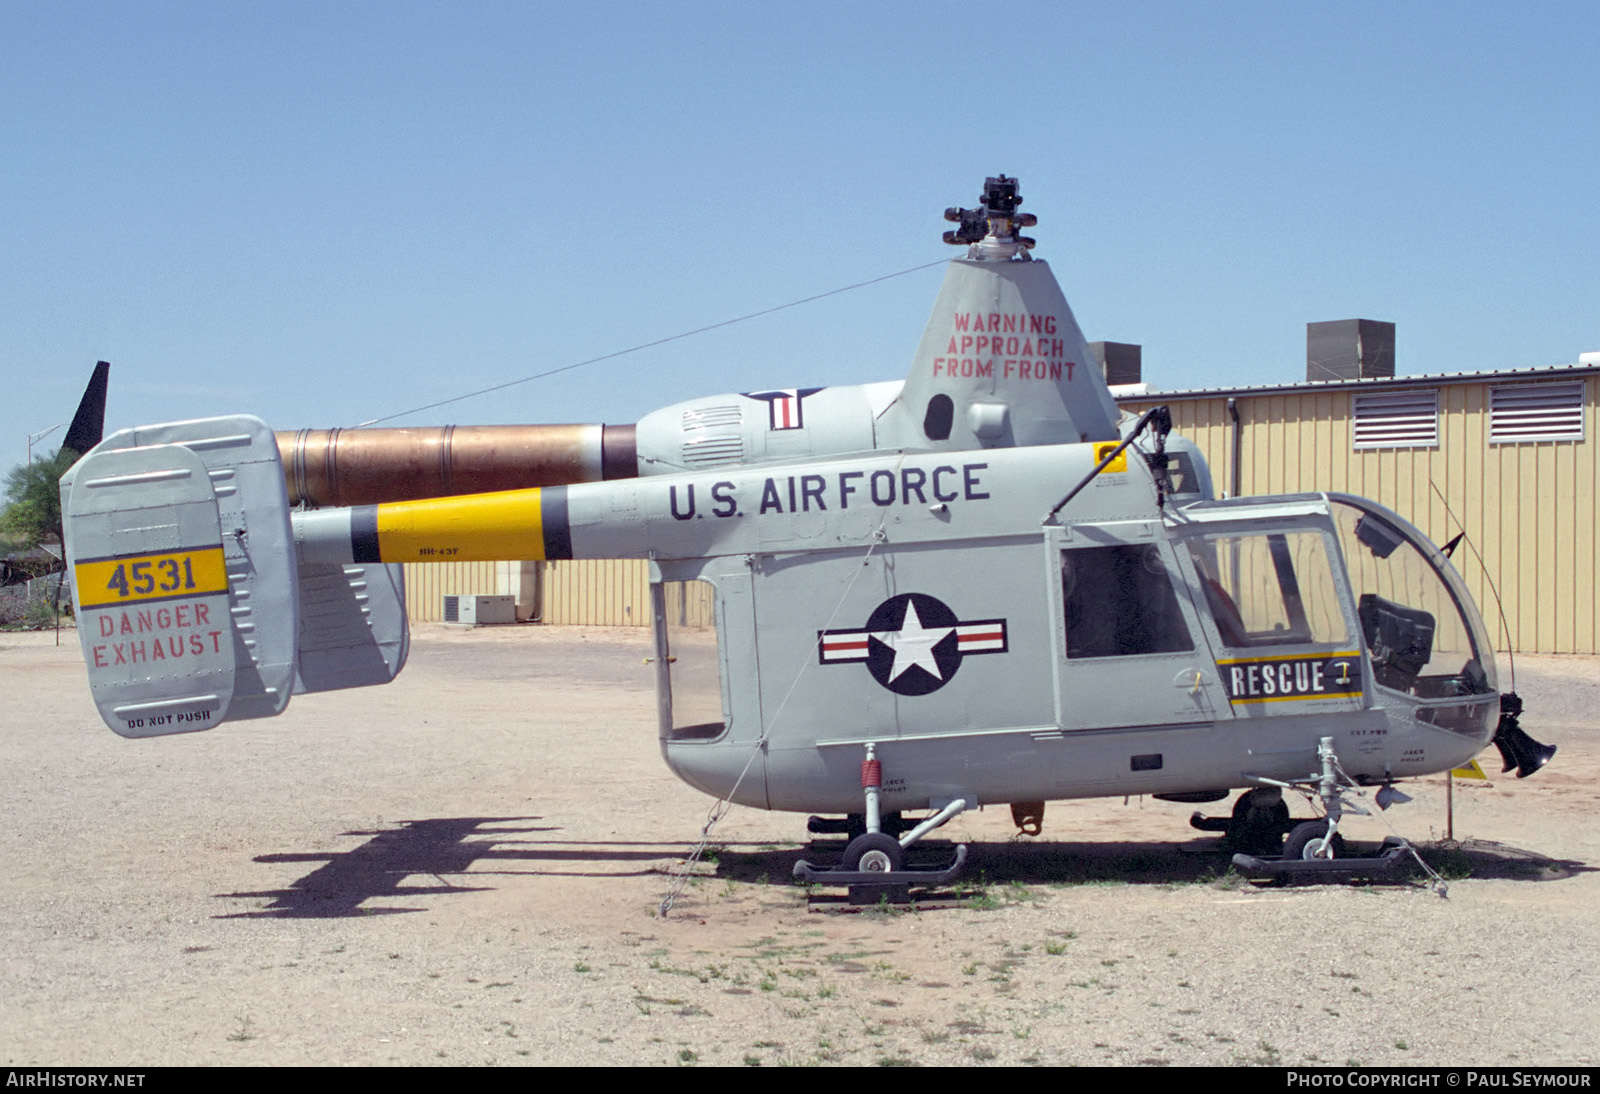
464,868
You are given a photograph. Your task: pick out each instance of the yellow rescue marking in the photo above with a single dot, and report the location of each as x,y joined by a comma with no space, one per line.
1356,694
162,576
1470,770
1103,448
1352,654
473,528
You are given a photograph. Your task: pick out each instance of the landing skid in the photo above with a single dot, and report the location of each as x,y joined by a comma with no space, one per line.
873,863
1314,848
875,886
1388,860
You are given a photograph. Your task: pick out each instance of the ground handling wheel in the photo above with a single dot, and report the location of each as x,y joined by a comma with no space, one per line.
1309,842
874,853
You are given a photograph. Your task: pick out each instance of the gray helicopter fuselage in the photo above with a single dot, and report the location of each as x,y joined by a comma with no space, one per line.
1014,701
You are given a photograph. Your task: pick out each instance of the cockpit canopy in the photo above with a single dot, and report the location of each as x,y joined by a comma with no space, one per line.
1422,632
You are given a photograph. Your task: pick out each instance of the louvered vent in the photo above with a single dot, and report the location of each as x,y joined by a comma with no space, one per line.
1536,412
712,436
1404,419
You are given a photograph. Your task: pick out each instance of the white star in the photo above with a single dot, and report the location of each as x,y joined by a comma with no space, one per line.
913,644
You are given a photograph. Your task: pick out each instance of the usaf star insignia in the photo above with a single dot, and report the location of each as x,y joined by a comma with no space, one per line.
912,643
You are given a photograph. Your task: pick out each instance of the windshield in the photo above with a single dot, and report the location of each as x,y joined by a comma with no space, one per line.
1425,637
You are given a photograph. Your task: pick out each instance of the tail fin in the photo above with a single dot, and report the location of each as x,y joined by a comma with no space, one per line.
89,423
188,589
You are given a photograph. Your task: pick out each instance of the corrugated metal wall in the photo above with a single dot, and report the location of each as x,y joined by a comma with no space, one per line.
594,592
606,593
1528,507
616,593
689,604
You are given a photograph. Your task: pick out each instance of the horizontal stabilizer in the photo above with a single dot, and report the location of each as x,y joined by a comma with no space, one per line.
353,627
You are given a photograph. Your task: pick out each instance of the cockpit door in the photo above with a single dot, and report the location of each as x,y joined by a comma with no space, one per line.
1129,647
1277,610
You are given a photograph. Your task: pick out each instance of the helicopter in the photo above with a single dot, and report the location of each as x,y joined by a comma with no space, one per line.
979,585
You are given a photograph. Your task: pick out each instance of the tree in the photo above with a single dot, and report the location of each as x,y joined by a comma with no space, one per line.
33,500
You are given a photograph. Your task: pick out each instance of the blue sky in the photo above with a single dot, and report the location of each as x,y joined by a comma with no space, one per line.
327,213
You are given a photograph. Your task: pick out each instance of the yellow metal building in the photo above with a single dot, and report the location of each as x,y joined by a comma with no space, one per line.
591,592
1504,456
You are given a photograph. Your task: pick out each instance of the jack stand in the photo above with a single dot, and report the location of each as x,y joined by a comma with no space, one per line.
873,865
1315,847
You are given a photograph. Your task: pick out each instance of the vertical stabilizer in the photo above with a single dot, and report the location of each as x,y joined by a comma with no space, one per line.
183,575
89,423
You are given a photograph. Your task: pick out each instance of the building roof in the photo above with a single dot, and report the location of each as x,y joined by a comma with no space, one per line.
1138,393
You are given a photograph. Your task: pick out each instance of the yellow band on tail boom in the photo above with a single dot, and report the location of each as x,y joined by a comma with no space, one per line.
514,524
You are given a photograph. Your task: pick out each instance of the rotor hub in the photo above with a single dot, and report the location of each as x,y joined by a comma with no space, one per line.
990,231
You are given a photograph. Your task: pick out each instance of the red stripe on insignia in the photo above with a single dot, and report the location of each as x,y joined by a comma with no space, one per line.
844,647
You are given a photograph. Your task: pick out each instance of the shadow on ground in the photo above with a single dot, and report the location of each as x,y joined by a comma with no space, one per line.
448,856
1039,862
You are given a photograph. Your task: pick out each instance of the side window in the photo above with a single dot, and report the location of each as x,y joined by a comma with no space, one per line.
1119,602
1180,473
689,608
1270,590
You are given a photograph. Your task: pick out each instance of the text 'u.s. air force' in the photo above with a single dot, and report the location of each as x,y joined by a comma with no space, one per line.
839,491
